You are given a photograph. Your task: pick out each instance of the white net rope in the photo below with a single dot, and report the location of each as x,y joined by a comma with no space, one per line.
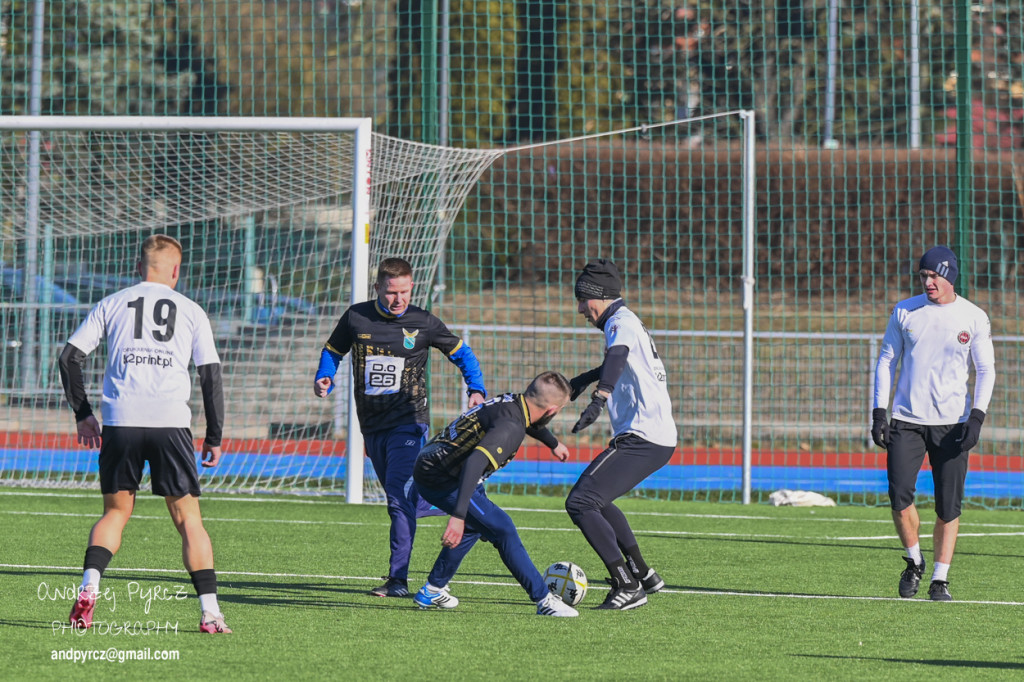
279,201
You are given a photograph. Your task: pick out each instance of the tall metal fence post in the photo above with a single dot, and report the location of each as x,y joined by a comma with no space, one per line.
749,190
964,141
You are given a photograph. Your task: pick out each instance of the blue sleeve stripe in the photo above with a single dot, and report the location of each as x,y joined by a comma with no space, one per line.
463,358
329,361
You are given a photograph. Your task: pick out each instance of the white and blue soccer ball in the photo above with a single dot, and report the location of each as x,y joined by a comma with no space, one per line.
567,580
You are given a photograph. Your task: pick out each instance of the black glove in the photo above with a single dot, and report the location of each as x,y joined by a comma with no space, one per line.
579,383
971,430
593,411
880,427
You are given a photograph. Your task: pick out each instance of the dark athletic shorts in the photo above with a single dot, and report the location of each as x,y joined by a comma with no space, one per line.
170,453
908,444
623,465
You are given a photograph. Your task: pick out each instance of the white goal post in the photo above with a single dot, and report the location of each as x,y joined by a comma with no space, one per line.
361,129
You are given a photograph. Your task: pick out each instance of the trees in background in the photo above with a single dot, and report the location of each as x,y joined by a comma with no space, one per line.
520,71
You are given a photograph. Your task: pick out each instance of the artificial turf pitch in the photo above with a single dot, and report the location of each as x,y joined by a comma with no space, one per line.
752,592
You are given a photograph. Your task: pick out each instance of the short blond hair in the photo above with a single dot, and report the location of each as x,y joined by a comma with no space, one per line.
155,244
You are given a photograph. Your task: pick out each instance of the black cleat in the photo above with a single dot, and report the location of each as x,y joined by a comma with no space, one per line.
623,598
939,591
910,579
392,587
651,582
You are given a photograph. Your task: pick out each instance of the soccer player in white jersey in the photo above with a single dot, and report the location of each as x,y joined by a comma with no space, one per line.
632,383
933,336
152,332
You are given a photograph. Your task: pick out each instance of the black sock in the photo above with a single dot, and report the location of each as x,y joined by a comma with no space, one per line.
622,576
636,562
205,581
97,557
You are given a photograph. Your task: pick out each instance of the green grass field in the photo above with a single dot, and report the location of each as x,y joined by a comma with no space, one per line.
752,593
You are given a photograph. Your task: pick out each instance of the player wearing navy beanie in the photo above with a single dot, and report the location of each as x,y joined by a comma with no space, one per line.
941,260
933,337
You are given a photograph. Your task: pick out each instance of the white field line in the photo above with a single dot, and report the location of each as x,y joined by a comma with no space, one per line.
144,517
709,593
434,524
725,517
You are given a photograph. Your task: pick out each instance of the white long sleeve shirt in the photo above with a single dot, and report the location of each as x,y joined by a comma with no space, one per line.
934,345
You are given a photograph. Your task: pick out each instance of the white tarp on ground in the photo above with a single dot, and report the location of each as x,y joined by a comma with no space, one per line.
800,498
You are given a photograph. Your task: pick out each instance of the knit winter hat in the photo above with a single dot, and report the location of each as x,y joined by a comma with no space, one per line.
599,279
942,261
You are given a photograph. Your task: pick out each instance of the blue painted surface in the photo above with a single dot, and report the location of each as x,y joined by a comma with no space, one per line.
988,484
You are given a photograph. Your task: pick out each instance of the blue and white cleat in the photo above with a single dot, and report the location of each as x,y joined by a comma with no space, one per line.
430,596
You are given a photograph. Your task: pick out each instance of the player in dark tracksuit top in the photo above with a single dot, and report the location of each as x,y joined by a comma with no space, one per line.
450,471
390,341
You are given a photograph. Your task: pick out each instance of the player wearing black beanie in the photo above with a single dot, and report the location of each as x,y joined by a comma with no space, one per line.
644,433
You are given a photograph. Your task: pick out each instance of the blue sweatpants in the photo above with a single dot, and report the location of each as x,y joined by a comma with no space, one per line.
489,521
393,454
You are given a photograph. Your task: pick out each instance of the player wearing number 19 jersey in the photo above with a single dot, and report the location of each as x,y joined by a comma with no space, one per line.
632,382
390,341
152,333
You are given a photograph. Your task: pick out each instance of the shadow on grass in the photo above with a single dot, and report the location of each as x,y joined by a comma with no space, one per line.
307,595
27,624
952,663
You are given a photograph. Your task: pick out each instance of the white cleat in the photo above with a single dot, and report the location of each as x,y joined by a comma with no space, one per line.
552,605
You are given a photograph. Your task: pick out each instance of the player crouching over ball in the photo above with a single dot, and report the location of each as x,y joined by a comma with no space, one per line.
449,474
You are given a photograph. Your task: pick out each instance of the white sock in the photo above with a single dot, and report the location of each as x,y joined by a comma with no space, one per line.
433,590
915,553
90,580
941,571
208,602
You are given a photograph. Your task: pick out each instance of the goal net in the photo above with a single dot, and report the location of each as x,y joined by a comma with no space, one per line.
277,244
267,211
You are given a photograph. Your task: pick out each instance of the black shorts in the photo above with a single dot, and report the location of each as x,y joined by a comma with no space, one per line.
170,453
908,444
623,465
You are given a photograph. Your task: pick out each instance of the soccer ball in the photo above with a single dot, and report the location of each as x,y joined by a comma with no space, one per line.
567,580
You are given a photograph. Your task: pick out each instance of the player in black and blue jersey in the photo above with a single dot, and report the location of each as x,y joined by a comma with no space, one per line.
390,341
449,474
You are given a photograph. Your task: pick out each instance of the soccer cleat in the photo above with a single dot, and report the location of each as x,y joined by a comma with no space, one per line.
441,599
939,591
552,605
81,612
910,579
651,582
392,587
623,598
213,623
